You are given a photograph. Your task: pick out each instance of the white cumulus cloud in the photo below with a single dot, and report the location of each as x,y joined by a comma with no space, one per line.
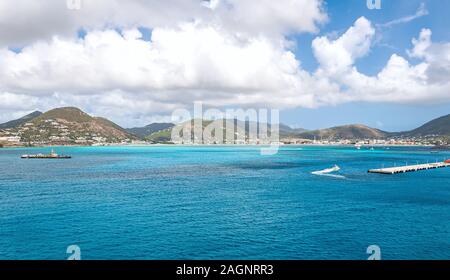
221,52
24,21
399,81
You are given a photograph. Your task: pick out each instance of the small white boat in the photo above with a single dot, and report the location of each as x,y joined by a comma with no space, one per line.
358,146
327,171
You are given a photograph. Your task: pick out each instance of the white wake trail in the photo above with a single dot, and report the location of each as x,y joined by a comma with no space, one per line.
327,172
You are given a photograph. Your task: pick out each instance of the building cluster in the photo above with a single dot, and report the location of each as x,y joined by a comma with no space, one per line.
413,141
52,132
230,139
9,138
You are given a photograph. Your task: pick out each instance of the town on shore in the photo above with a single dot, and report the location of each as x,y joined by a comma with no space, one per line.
72,127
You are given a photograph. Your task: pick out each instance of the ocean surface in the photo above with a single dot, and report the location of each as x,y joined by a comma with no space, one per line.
222,203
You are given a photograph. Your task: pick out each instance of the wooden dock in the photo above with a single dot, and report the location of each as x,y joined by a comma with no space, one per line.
410,168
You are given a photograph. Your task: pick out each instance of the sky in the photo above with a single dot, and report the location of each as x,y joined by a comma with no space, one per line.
321,63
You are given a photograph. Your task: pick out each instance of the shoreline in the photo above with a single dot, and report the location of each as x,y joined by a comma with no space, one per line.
206,145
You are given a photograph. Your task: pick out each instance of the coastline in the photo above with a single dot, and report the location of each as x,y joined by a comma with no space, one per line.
224,145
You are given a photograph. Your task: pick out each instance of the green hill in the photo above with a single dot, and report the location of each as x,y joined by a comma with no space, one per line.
18,122
69,114
162,136
71,126
345,132
145,131
242,129
436,127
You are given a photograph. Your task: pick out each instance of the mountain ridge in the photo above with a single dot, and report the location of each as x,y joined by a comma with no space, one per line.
149,129
70,125
439,126
22,120
353,131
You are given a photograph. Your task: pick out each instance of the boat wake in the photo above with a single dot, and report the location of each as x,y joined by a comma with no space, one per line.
328,172
332,176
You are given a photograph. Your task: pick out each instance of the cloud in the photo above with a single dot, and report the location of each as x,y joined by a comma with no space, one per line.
398,82
122,72
421,45
435,55
186,58
421,12
11,101
270,17
335,56
52,17
224,53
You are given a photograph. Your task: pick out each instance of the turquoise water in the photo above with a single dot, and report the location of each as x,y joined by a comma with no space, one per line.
222,203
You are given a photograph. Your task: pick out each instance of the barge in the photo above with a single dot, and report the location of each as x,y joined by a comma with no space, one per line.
52,155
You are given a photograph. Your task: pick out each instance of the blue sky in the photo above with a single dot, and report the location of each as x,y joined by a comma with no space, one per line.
394,39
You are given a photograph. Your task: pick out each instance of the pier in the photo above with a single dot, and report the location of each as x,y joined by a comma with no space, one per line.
410,168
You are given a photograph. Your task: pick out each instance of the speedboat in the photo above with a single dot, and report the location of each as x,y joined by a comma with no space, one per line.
327,171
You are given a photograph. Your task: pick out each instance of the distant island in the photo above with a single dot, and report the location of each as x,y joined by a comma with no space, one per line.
72,126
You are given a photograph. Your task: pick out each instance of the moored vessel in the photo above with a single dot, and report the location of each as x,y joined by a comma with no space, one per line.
52,155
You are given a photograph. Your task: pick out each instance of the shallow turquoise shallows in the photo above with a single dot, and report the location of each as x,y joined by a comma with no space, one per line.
222,203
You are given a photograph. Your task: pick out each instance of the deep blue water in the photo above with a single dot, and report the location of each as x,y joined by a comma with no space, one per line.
222,203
